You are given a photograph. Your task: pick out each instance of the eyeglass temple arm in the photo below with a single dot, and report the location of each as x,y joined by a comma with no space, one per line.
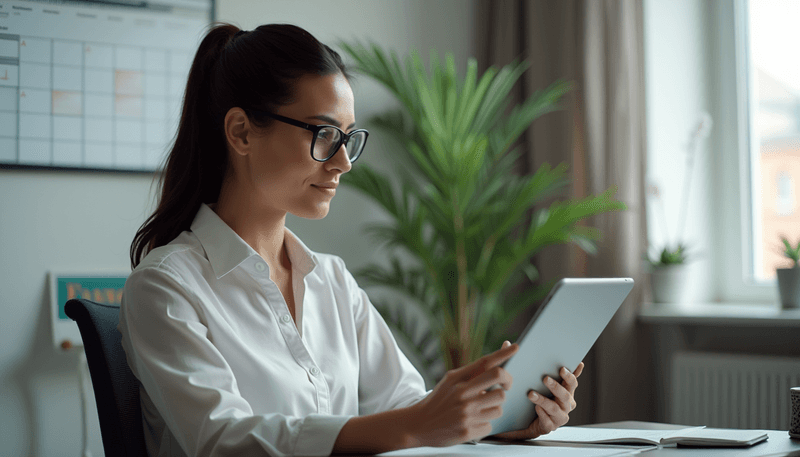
286,120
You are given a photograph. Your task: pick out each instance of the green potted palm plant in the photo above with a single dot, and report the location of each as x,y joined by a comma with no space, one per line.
461,230
789,278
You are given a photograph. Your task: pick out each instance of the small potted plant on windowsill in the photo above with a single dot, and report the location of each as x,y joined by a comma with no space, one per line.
668,269
668,274
789,278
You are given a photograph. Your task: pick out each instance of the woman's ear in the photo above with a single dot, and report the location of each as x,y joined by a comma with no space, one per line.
238,130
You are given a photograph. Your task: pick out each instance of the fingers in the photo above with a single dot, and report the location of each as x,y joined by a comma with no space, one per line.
486,362
545,422
569,380
516,434
562,398
490,399
579,370
497,357
491,377
492,412
542,425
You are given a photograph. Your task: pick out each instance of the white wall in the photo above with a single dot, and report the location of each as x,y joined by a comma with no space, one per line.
678,72
73,221
53,220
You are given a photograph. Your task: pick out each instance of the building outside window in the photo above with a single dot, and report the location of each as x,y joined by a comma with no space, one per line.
772,35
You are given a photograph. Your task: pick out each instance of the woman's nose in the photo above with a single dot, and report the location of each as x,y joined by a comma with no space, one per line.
340,160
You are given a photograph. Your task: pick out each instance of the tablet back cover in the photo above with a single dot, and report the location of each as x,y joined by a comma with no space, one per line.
560,334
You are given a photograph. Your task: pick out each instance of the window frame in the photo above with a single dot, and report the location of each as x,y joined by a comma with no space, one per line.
734,99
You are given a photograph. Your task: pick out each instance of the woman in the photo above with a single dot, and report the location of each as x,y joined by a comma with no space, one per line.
245,341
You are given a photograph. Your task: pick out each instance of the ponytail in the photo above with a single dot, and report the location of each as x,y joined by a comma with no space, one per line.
196,164
231,68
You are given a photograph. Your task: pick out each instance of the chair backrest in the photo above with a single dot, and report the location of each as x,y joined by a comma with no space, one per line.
116,389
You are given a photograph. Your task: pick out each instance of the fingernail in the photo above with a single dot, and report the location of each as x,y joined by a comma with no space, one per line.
534,396
550,381
506,344
566,371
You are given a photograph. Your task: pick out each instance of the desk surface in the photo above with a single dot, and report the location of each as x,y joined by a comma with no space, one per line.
778,444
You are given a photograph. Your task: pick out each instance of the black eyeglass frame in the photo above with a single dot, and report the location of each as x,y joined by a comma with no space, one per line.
344,138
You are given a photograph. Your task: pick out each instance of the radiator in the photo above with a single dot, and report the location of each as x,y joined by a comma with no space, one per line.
732,391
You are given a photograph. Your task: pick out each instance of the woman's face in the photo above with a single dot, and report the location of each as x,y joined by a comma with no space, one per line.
280,168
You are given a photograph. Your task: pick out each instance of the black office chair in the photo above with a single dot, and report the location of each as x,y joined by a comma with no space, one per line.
116,390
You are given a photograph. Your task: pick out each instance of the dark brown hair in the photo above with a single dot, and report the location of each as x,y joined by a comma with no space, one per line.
232,68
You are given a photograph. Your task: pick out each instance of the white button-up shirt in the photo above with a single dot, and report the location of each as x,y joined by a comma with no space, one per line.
226,371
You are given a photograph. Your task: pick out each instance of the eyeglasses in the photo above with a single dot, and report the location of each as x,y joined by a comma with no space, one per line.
328,139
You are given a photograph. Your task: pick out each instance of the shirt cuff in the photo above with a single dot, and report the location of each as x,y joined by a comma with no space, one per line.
318,434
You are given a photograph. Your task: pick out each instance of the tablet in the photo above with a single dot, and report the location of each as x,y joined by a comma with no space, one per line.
560,334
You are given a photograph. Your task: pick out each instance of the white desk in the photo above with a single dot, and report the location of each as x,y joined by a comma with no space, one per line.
778,444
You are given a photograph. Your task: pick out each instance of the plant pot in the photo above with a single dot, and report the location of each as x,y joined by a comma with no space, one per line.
668,283
789,287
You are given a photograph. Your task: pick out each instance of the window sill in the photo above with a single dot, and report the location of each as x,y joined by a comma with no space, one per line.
720,314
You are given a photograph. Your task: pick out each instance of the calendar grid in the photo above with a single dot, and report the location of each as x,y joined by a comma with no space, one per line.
113,110
52,89
143,107
83,104
78,103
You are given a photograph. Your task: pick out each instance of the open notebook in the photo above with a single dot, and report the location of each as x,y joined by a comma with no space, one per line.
694,436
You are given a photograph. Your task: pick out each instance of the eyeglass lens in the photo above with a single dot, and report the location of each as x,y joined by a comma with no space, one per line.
328,139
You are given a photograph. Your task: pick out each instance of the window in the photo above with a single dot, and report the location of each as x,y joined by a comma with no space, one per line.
757,102
774,111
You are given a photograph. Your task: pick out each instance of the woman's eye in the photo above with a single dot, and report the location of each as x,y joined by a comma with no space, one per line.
326,135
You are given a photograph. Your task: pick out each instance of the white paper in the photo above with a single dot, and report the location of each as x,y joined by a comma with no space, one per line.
719,436
507,450
591,434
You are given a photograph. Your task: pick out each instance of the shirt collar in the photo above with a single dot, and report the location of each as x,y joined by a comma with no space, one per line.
303,259
226,250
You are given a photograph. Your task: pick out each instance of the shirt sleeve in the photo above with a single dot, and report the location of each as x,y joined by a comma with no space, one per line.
191,384
387,379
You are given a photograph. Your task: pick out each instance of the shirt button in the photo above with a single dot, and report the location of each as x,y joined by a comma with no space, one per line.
260,266
314,371
286,318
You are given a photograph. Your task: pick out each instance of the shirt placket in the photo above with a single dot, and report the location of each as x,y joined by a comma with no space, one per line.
298,348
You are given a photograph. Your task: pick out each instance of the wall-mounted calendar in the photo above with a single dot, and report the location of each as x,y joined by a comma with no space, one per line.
86,85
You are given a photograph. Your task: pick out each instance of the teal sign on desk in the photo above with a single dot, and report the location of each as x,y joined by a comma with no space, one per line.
100,289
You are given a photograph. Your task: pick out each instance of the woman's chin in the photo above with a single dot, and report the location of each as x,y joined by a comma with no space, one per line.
314,213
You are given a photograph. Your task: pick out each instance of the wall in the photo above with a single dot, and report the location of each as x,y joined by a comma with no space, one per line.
73,221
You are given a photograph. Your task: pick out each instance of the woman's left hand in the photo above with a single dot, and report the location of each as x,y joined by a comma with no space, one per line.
551,413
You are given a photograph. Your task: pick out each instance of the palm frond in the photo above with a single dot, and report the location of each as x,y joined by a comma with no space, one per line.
496,97
521,116
463,215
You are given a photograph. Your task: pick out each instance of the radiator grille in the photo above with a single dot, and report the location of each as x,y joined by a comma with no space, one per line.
732,391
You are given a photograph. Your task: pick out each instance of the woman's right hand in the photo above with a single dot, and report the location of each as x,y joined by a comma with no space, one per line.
460,407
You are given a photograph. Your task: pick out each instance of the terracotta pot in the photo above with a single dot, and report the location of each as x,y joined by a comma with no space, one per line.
669,283
789,287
